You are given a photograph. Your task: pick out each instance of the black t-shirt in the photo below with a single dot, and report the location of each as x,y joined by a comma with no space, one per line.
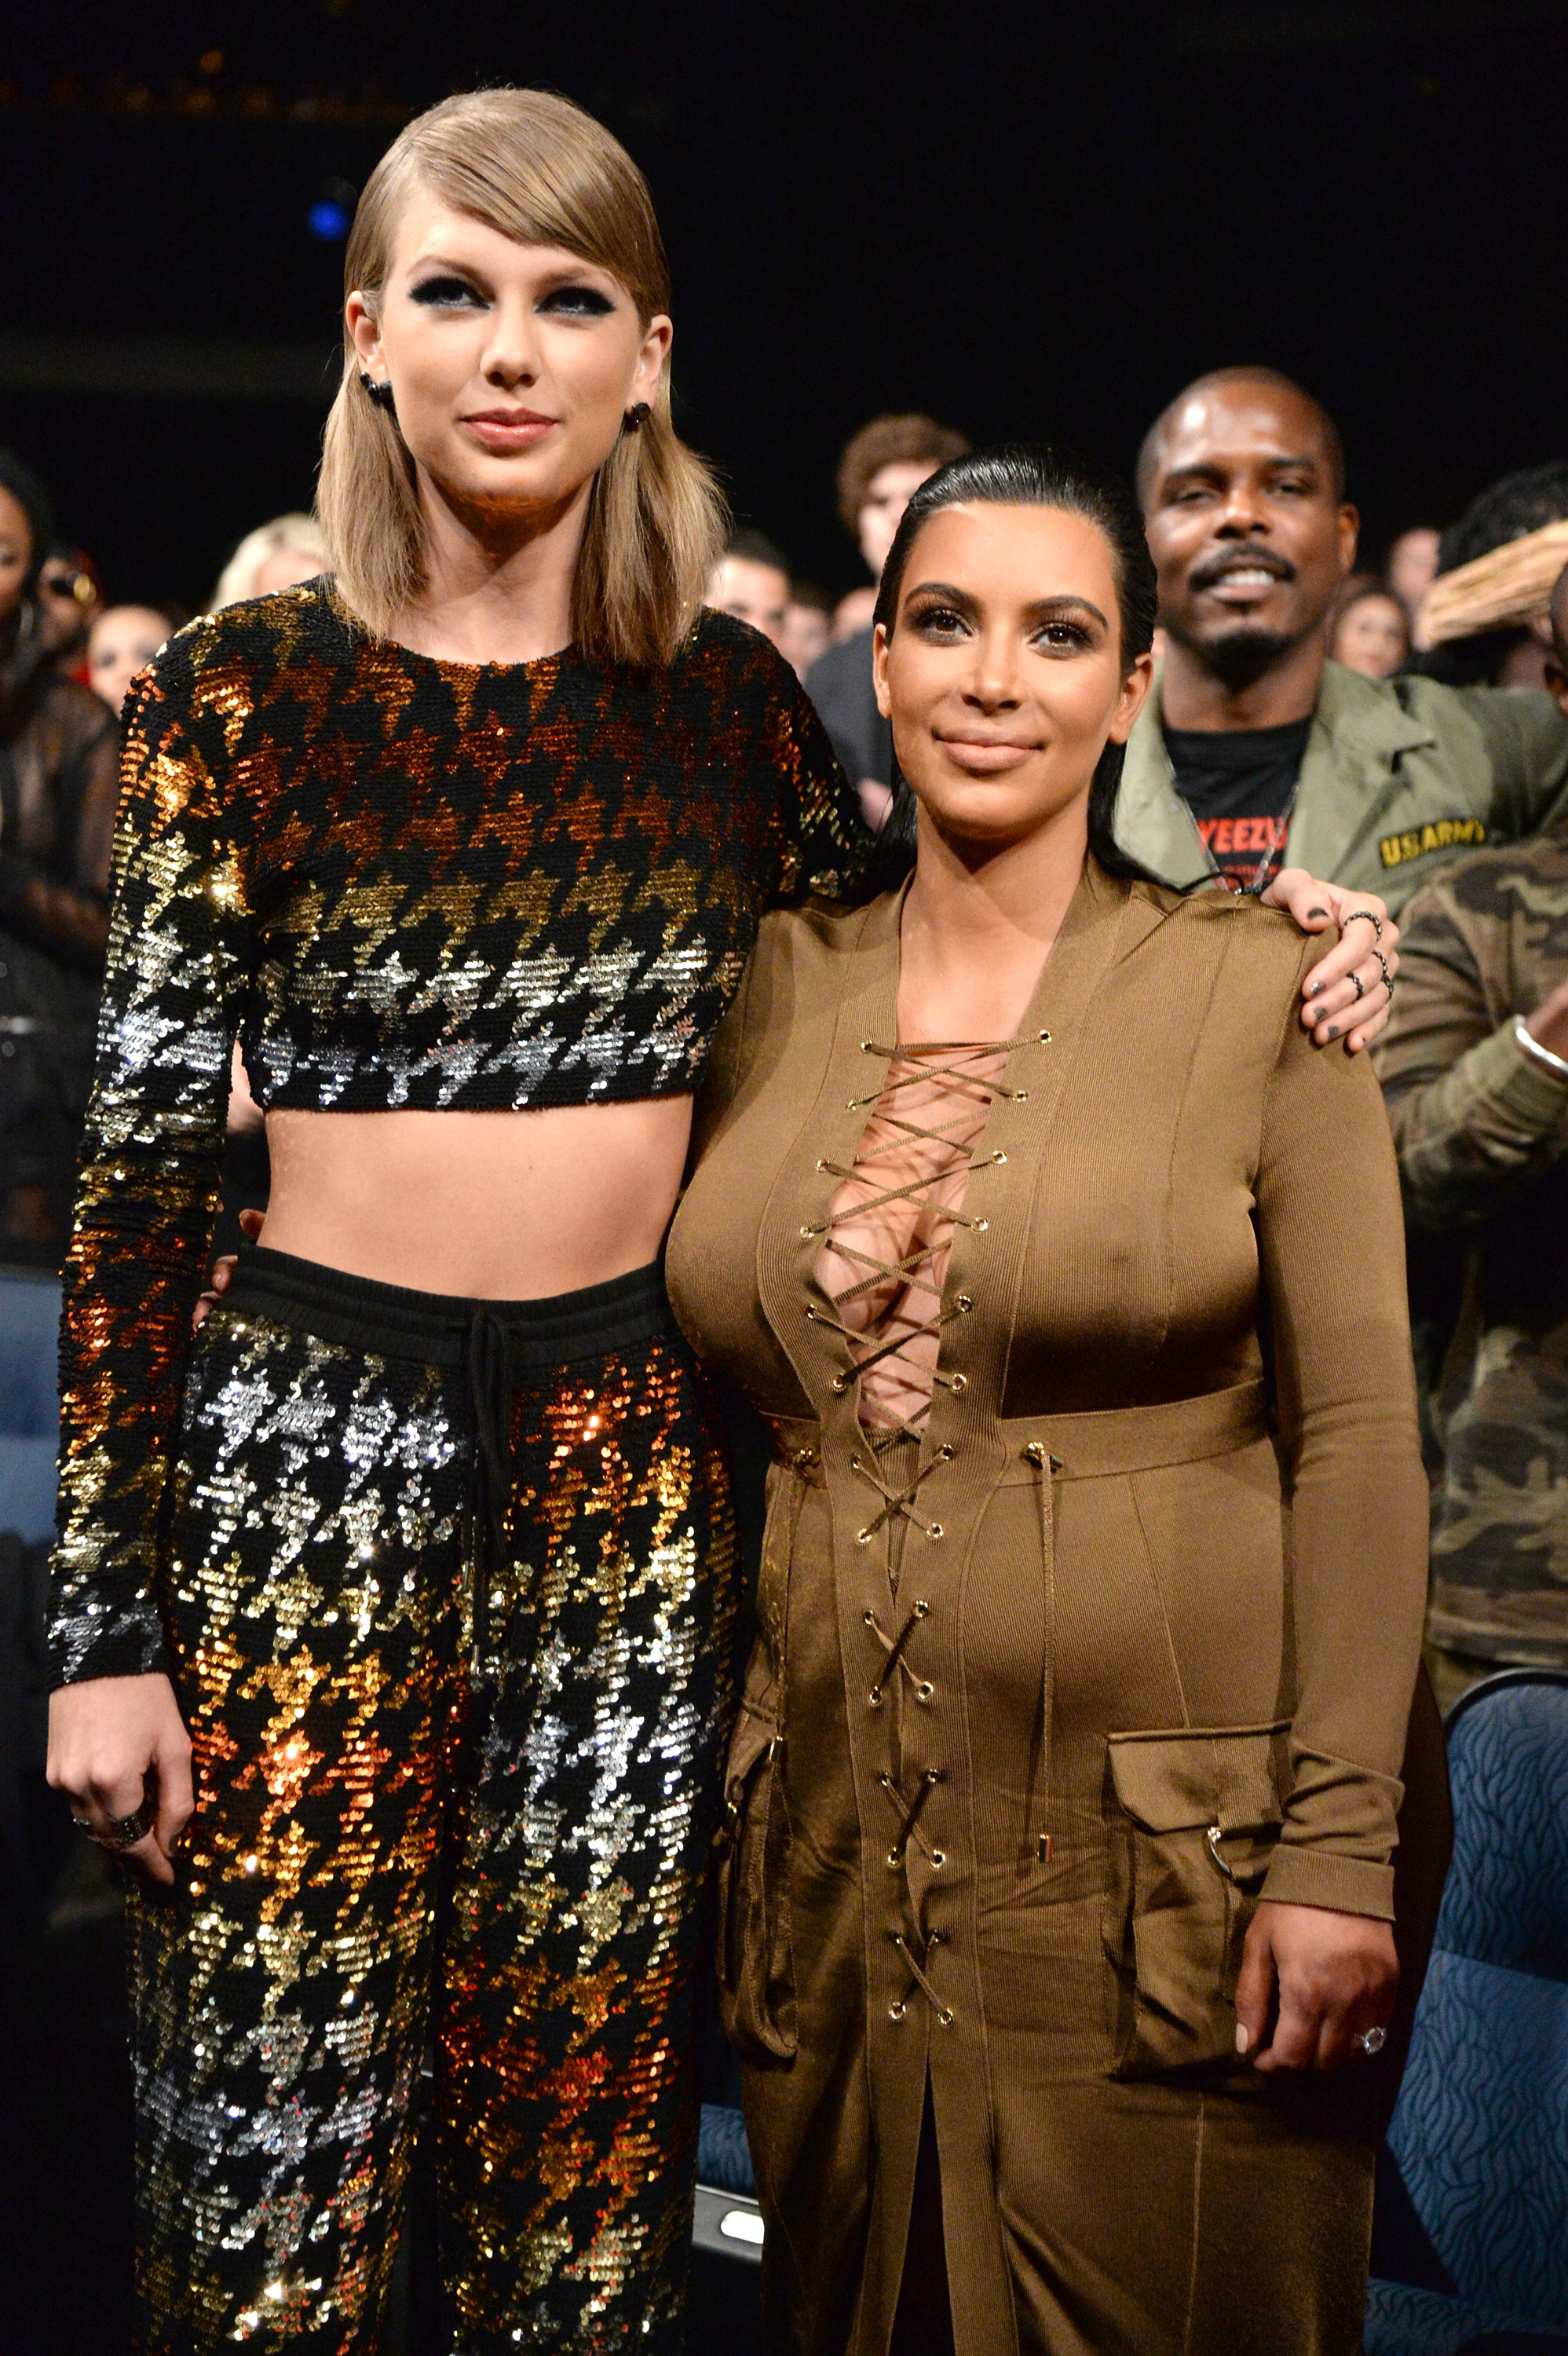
1238,784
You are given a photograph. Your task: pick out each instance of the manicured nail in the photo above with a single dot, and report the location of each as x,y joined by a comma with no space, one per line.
1244,2037
1333,1030
1313,989
1317,912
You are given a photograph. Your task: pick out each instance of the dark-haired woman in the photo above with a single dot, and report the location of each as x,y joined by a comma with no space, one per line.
59,776
1062,1800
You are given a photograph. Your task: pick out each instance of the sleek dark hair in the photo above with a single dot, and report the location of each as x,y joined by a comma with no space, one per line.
1033,474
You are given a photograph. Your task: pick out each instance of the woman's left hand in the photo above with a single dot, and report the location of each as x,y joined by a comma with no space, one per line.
1311,1982
1334,1009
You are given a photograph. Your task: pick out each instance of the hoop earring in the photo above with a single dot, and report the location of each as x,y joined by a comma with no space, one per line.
379,391
632,421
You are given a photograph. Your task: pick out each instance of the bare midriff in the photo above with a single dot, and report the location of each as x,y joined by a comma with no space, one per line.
490,1206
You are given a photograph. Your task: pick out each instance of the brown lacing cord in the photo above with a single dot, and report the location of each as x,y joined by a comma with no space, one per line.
907,1811
918,1980
865,1351
893,1646
1046,1467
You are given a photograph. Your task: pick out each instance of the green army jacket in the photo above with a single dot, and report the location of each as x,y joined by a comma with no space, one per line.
1481,1130
1398,776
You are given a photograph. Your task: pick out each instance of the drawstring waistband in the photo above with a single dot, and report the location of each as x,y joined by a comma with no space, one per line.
495,1343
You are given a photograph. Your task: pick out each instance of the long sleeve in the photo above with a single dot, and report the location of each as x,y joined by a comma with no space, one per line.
827,846
179,950
1331,1246
72,746
1527,739
1475,1116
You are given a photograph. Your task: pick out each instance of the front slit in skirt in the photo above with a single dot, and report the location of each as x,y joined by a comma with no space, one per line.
450,1587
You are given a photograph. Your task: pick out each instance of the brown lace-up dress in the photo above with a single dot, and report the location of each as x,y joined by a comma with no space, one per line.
1090,1610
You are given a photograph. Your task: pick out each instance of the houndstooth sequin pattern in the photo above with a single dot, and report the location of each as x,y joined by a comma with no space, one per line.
395,1845
401,882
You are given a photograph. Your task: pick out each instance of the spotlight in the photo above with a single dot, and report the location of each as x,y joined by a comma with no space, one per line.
332,212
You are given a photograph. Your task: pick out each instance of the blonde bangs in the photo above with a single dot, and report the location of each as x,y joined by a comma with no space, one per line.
536,169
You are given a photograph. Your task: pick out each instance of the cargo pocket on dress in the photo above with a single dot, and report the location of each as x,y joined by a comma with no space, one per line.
756,1968
1193,1818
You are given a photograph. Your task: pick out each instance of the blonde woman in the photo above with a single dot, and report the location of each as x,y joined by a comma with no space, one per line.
421,1557
275,556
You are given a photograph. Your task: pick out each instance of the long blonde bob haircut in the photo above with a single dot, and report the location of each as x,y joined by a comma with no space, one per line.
536,169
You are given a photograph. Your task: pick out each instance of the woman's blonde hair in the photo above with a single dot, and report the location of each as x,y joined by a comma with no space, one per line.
534,168
300,534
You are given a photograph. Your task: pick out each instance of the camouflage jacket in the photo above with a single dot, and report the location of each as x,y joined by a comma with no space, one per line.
1399,776
1482,1133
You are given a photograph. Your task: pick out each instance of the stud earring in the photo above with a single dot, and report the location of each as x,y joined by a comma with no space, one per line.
380,392
632,419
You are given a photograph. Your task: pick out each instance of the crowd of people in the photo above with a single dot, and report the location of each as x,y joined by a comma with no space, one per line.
1255,716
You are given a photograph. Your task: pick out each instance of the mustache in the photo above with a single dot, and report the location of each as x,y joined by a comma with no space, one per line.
1204,575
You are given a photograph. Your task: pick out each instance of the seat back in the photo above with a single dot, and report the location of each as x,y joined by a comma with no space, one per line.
29,1409
1480,2134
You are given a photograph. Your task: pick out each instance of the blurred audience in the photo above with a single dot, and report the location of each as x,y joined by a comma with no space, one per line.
275,556
121,642
68,604
750,580
1474,1071
1513,655
807,627
1412,566
881,468
1371,630
59,787
853,614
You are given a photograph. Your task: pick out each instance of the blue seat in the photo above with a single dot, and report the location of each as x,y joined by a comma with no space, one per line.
29,1409
1477,2163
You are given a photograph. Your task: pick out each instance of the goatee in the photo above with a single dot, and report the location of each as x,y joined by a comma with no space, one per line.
1240,658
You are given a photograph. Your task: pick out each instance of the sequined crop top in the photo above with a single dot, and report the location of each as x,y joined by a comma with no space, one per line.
398,880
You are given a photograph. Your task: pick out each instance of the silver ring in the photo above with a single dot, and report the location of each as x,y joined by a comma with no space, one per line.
124,1832
1360,987
1388,977
1376,922
1370,2041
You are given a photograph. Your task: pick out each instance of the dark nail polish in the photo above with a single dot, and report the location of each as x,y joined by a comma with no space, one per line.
1317,912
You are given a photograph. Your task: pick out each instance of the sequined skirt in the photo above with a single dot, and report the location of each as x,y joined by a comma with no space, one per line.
451,1589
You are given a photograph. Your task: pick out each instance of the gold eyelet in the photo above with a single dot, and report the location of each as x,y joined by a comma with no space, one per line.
870,1618
1035,1452
958,1385
1045,1038
897,2011
998,1155
964,1302
1021,1095
921,1608
982,1226
936,1533
862,1538
945,2016
893,1860
945,1452
923,1693
939,1858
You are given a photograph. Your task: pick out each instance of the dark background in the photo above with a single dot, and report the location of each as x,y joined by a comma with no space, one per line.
1039,219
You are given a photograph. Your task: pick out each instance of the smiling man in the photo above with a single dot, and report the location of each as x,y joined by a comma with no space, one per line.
1254,751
